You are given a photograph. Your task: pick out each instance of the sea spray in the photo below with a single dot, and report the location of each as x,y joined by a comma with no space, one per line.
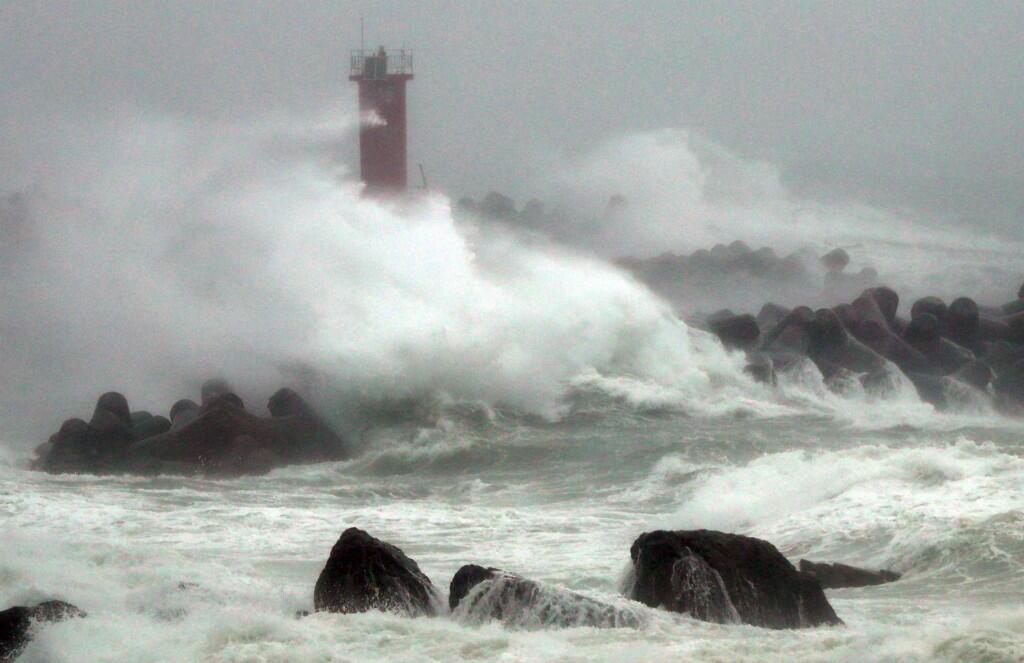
240,253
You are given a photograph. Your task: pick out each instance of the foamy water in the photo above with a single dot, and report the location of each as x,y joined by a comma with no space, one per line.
558,410
559,503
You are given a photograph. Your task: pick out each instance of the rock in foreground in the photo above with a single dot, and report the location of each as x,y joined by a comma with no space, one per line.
16,624
364,573
836,575
479,594
725,578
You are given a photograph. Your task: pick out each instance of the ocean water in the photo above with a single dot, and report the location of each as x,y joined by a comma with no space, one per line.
184,569
561,410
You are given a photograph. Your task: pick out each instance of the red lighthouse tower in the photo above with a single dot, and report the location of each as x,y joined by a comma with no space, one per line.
381,76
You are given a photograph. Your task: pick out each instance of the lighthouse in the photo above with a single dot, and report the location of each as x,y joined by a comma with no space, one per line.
381,76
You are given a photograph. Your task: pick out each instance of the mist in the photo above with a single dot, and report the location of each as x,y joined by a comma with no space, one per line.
248,253
179,199
899,106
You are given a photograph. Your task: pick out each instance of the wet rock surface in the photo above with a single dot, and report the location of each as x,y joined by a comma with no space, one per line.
217,438
725,578
479,595
957,355
364,573
837,575
17,624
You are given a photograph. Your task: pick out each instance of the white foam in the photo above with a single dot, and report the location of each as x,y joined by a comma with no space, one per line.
932,508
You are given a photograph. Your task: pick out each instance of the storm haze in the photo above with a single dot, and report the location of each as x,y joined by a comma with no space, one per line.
178,184
901,105
704,341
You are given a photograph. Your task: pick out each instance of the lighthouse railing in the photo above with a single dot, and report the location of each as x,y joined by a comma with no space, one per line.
380,63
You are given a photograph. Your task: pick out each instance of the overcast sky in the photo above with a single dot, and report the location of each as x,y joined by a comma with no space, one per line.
917,104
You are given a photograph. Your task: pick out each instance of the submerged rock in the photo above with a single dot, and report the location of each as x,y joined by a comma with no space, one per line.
479,594
836,575
364,573
16,624
725,578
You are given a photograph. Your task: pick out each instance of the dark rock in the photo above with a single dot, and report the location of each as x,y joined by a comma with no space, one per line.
307,435
114,404
962,320
67,450
846,315
720,252
872,326
146,425
739,331
207,439
725,578
97,447
888,303
791,339
465,579
110,430
211,389
992,330
761,368
763,262
1002,355
976,373
287,403
882,340
946,391
931,305
227,398
839,380
923,334
866,309
219,438
868,276
831,345
364,573
1015,323
1010,383
480,595
16,624
790,332
836,260
930,388
923,328
835,576
738,248
183,413
1012,308
770,315
244,457
497,206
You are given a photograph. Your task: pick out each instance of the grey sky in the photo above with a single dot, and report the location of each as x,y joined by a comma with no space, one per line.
897,103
